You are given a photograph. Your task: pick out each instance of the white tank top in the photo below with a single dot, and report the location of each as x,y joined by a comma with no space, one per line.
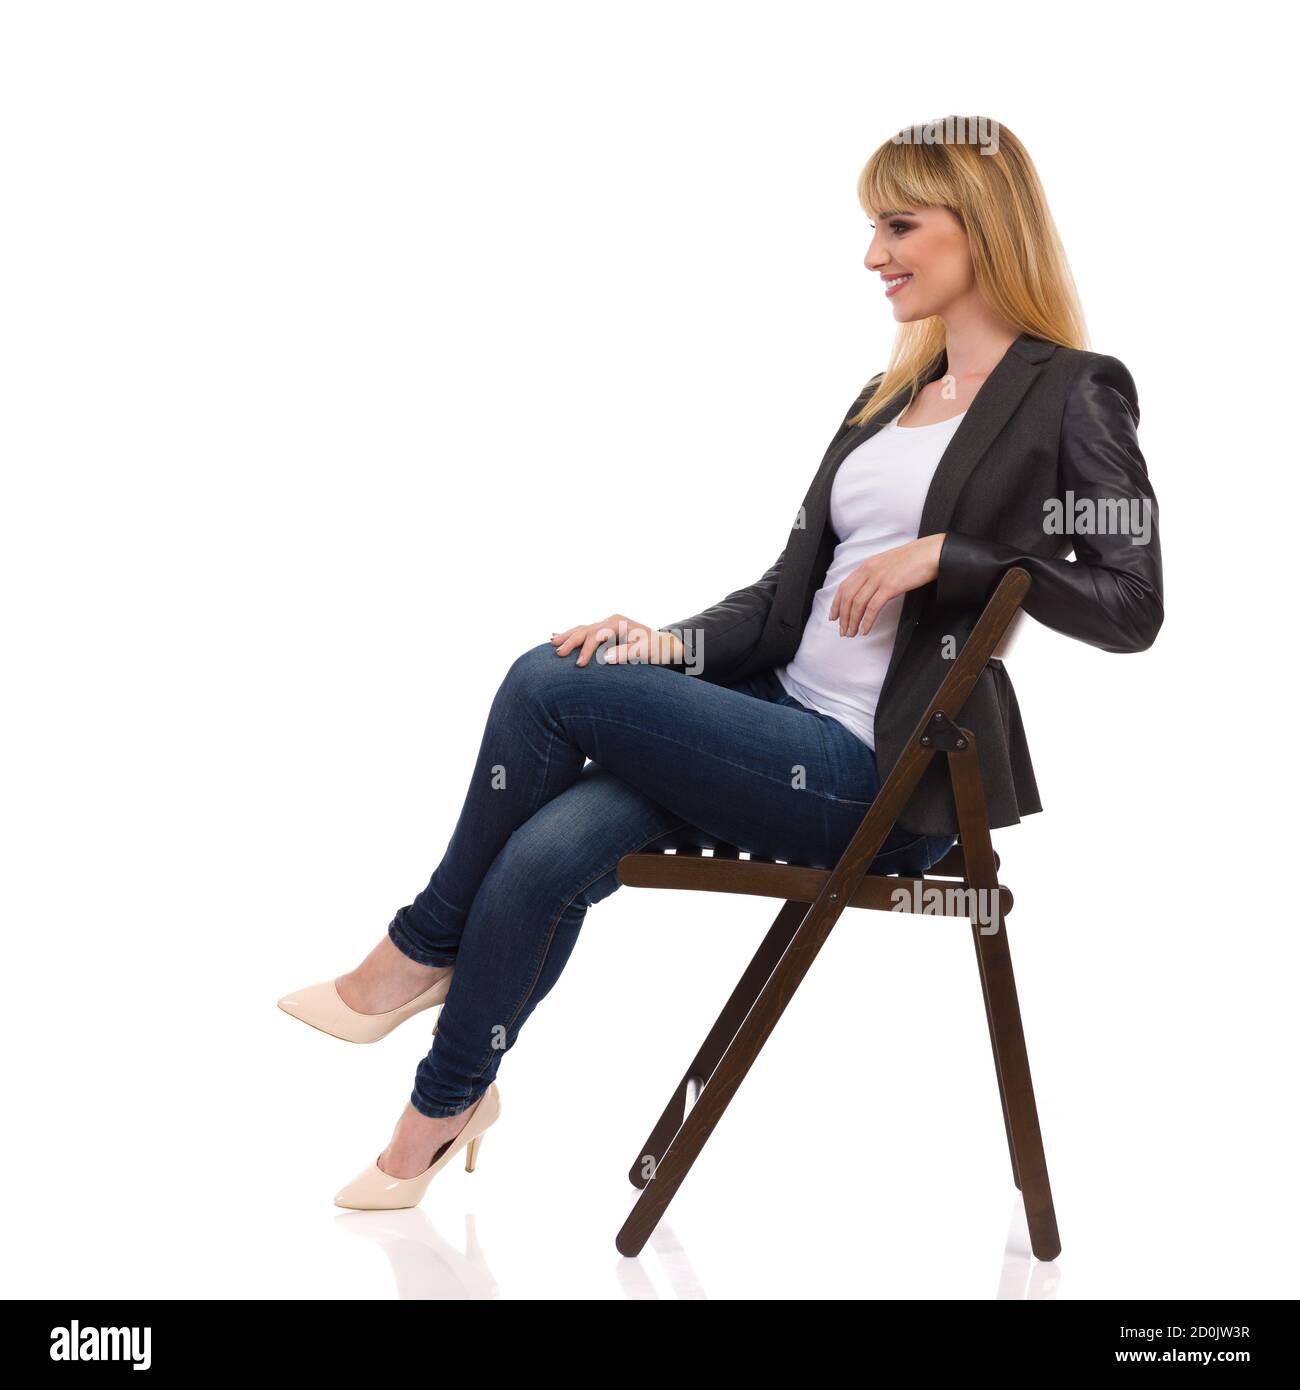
876,502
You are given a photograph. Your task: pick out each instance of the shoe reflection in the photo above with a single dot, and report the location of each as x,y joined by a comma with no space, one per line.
425,1266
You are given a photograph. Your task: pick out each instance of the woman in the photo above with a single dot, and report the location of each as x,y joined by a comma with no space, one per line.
770,720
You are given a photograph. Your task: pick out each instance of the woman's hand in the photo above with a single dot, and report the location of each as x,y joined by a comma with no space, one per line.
635,641
883,577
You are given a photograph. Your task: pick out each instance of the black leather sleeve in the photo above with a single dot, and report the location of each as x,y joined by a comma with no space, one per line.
725,634
1111,594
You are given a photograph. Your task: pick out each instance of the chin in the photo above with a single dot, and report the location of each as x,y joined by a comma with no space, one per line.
909,313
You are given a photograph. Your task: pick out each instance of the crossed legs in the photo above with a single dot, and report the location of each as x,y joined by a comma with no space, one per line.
541,832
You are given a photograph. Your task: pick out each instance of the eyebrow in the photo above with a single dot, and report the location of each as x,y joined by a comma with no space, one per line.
904,212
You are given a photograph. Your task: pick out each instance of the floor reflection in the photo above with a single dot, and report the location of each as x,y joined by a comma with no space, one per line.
425,1266
1025,1279
634,1275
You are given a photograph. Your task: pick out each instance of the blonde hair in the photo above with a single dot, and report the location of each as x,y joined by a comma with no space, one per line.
1019,263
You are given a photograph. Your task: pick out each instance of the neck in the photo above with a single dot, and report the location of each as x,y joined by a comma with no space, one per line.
976,340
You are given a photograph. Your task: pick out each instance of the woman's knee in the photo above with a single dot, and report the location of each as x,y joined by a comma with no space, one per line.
535,671
538,676
532,664
567,852
533,873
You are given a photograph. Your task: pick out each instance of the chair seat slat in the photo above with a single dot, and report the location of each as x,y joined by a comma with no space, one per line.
795,883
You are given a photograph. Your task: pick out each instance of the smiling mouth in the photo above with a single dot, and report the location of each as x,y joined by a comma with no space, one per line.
893,286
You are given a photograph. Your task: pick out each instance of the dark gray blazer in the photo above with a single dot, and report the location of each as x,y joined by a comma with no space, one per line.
1050,427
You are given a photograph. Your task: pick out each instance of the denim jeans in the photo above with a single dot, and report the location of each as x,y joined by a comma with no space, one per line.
675,760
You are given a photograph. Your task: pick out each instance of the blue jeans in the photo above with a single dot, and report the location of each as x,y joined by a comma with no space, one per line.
674,760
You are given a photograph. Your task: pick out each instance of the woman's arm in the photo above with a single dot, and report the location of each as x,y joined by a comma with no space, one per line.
729,631
1111,594
721,637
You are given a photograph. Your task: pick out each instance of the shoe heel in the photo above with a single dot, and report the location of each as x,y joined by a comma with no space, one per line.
471,1152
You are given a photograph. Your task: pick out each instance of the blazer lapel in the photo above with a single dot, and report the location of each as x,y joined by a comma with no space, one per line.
994,404
960,457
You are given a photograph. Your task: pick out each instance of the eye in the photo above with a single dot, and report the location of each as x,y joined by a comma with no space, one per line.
900,227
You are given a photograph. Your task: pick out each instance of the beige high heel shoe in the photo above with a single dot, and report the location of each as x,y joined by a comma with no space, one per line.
374,1190
322,1007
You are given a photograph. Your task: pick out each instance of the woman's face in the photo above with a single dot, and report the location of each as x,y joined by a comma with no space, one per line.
926,250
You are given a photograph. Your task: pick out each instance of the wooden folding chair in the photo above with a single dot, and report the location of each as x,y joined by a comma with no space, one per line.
800,930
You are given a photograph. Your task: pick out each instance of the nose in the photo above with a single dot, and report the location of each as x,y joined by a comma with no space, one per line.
875,259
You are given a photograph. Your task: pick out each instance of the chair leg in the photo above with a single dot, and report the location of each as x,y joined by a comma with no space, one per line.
756,1027
997,1064
1010,1055
1012,1059
756,975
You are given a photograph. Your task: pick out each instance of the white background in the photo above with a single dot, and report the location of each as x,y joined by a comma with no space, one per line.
349,350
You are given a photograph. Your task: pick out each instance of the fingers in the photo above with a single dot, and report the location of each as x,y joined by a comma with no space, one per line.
857,602
858,608
632,641
630,649
644,646
879,598
846,596
568,640
595,636
864,607
641,645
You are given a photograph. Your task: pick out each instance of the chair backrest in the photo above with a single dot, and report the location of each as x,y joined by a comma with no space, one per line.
988,636
935,727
